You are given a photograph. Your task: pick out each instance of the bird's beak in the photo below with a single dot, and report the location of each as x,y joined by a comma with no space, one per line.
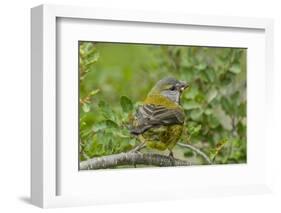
183,86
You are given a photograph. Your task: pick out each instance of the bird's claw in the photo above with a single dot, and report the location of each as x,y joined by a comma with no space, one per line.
172,158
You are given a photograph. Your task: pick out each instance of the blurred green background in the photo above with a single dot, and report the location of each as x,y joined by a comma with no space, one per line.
115,78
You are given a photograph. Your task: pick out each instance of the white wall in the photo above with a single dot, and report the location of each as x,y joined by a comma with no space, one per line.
15,98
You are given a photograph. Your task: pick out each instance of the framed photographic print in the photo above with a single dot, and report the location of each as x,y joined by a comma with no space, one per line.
207,107
130,106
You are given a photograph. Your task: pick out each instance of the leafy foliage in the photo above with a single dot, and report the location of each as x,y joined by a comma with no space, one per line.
115,78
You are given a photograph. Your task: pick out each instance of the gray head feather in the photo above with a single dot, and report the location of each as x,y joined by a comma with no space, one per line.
170,88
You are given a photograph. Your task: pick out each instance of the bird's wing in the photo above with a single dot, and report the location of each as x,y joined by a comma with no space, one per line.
151,115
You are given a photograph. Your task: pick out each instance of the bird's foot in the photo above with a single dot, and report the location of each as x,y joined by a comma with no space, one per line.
172,158
138,148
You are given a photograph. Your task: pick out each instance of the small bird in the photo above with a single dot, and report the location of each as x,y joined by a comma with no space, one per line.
158,123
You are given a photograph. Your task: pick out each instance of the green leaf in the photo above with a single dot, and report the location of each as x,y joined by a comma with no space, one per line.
225,79
201,66
211,95
235,68
101,104
210,74
191,92
85,132
196,114
111,124
241,128
226,105
187,74
105,124
200,98
197,129
208,111
186,63
235,97
94,58
213,121
188,153
126,104
99,126
242,109
94,92
188,105
106,111
86,107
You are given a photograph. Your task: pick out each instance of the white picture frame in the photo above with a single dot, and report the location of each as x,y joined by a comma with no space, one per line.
46,167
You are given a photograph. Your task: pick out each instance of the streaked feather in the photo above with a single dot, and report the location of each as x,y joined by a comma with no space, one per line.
150,115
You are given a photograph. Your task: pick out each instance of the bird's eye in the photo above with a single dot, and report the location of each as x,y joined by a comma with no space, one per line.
173,88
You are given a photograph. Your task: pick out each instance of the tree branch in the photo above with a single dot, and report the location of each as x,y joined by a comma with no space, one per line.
196,150
131,158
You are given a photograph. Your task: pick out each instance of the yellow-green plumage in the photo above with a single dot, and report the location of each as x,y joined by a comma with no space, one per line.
163,137
159,121
158,99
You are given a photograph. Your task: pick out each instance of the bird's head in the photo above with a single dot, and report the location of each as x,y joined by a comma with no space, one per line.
170,88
